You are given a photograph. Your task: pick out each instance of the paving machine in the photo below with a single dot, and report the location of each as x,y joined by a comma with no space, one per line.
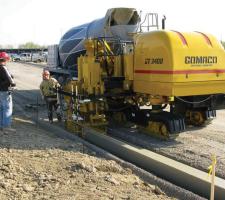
161,80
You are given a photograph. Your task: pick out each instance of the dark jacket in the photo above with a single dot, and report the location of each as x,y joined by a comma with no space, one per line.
6,79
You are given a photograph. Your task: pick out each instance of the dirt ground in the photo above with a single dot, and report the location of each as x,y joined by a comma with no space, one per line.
35,164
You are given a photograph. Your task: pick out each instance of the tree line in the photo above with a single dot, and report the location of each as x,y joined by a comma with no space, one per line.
27,45
31,45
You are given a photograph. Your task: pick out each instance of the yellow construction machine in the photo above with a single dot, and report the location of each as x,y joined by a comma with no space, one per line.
161,80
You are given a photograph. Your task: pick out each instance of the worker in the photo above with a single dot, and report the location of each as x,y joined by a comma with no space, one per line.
6,85
48,88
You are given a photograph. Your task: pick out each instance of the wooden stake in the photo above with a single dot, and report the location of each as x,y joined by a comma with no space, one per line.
213,177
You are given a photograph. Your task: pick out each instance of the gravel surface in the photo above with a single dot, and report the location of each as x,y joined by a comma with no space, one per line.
35,164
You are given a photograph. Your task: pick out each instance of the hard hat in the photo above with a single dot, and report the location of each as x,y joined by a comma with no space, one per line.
4,56
46,72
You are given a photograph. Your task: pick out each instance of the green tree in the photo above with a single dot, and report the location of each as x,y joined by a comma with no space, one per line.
223,43
29,45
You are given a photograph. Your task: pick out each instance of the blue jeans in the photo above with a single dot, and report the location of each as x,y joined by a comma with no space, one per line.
5,109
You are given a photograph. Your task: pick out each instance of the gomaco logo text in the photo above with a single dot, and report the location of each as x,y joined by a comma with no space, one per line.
200,59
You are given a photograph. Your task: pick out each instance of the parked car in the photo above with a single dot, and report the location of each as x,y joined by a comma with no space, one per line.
16,58
31,57
38,57
27,57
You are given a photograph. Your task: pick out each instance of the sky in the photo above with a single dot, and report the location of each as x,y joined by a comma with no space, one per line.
45,21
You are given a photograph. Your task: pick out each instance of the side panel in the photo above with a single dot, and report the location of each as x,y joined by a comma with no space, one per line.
178,64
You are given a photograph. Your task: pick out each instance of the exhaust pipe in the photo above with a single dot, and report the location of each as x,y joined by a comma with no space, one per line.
164,22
